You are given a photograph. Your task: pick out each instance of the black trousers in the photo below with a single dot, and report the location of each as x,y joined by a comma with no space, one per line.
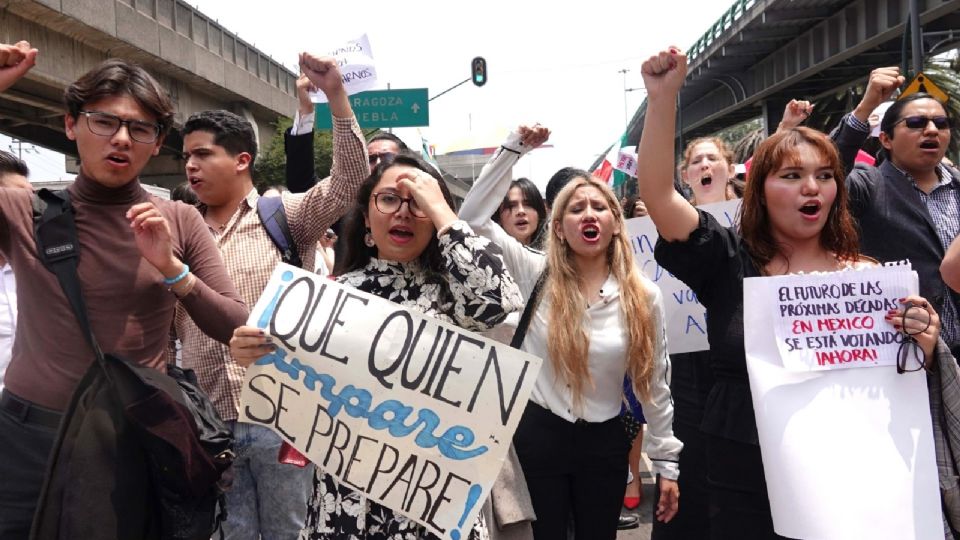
573,470
689,386
739,506
24,451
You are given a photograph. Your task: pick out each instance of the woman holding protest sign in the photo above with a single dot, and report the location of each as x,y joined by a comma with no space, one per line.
407,246
794,219
598,319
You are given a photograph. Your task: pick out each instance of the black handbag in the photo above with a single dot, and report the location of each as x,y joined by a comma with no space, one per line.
140,453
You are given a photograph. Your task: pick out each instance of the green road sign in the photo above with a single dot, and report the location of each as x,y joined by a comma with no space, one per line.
383,108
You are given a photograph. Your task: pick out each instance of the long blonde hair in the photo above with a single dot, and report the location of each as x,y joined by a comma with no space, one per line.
569,342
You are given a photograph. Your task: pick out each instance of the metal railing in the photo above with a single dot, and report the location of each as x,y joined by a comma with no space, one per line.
736,11
186,20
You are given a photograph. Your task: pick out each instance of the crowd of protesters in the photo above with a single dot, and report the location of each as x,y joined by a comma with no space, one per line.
188,272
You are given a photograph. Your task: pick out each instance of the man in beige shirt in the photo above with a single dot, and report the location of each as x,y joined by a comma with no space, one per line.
268,499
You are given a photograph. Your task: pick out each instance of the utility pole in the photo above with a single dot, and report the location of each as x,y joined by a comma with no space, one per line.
19,144
626,114
916,38
626,119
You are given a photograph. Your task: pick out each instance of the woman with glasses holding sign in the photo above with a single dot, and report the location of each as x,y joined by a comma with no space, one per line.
406,245
794,219
596,319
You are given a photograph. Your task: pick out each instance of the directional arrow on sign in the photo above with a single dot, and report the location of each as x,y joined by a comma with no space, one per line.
415,108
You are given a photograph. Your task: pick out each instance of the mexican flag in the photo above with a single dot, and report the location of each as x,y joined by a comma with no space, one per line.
428,151
607,170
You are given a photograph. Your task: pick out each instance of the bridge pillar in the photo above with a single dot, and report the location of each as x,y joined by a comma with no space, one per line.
772,114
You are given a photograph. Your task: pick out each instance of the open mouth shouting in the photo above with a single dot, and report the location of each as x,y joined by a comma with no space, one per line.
590,233
932,145
811,210
400,234
706,180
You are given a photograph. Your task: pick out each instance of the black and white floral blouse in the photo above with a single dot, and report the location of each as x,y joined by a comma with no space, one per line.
473,292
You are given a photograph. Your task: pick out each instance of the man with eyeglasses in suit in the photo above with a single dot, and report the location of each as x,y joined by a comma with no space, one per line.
908,206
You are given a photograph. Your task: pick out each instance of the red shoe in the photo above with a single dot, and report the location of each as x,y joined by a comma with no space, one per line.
631,503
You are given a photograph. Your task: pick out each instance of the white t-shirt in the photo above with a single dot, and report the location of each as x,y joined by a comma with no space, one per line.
8,317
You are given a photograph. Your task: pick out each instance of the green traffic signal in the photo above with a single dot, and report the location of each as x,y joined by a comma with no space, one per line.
478,71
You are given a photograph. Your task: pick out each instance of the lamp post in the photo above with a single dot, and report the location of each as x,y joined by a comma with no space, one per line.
626,117
628,186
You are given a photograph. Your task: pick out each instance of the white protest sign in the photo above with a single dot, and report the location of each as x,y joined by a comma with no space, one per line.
685,317
847,453
359,72
836,321
627,161
416,413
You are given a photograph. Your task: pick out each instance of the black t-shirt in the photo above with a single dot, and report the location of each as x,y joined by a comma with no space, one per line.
713,262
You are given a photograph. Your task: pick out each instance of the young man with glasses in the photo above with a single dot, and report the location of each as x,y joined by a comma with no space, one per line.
908,206
268,499
139,256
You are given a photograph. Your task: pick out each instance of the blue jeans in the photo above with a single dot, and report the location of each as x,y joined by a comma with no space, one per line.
268,499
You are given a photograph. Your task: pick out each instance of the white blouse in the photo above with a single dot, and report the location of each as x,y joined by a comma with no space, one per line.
602,320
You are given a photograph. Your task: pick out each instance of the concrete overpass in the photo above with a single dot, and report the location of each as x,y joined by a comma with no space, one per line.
762,53
201,64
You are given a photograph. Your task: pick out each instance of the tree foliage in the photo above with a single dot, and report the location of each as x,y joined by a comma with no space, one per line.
269,169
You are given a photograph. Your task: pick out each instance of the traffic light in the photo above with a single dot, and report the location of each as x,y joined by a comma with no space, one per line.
478,70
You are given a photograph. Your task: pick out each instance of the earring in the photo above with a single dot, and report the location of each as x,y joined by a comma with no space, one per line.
368,239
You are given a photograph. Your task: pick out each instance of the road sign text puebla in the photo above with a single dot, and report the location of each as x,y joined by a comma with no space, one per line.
382,109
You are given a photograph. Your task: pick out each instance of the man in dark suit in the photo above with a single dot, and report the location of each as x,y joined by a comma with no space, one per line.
908,207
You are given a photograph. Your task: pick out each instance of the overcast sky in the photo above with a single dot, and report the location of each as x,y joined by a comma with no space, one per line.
548,62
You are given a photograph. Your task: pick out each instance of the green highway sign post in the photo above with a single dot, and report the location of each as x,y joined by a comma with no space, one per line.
383,109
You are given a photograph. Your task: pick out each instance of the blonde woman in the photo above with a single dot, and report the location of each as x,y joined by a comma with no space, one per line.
597,319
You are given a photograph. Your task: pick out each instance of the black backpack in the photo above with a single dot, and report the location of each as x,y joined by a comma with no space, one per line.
139,453
274,219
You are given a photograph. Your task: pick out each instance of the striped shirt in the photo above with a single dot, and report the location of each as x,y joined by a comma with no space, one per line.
250,257
943,205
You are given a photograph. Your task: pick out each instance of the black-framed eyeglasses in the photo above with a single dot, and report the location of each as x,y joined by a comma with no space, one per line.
921,122
107,125
377,158
909,355
390,203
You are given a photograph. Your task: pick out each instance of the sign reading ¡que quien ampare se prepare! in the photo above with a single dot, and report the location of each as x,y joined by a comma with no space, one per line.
416,413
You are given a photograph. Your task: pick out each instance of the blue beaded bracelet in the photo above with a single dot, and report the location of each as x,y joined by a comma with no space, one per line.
173,281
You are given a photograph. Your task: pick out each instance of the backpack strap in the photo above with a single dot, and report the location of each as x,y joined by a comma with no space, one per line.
528,310
274,219
58,247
